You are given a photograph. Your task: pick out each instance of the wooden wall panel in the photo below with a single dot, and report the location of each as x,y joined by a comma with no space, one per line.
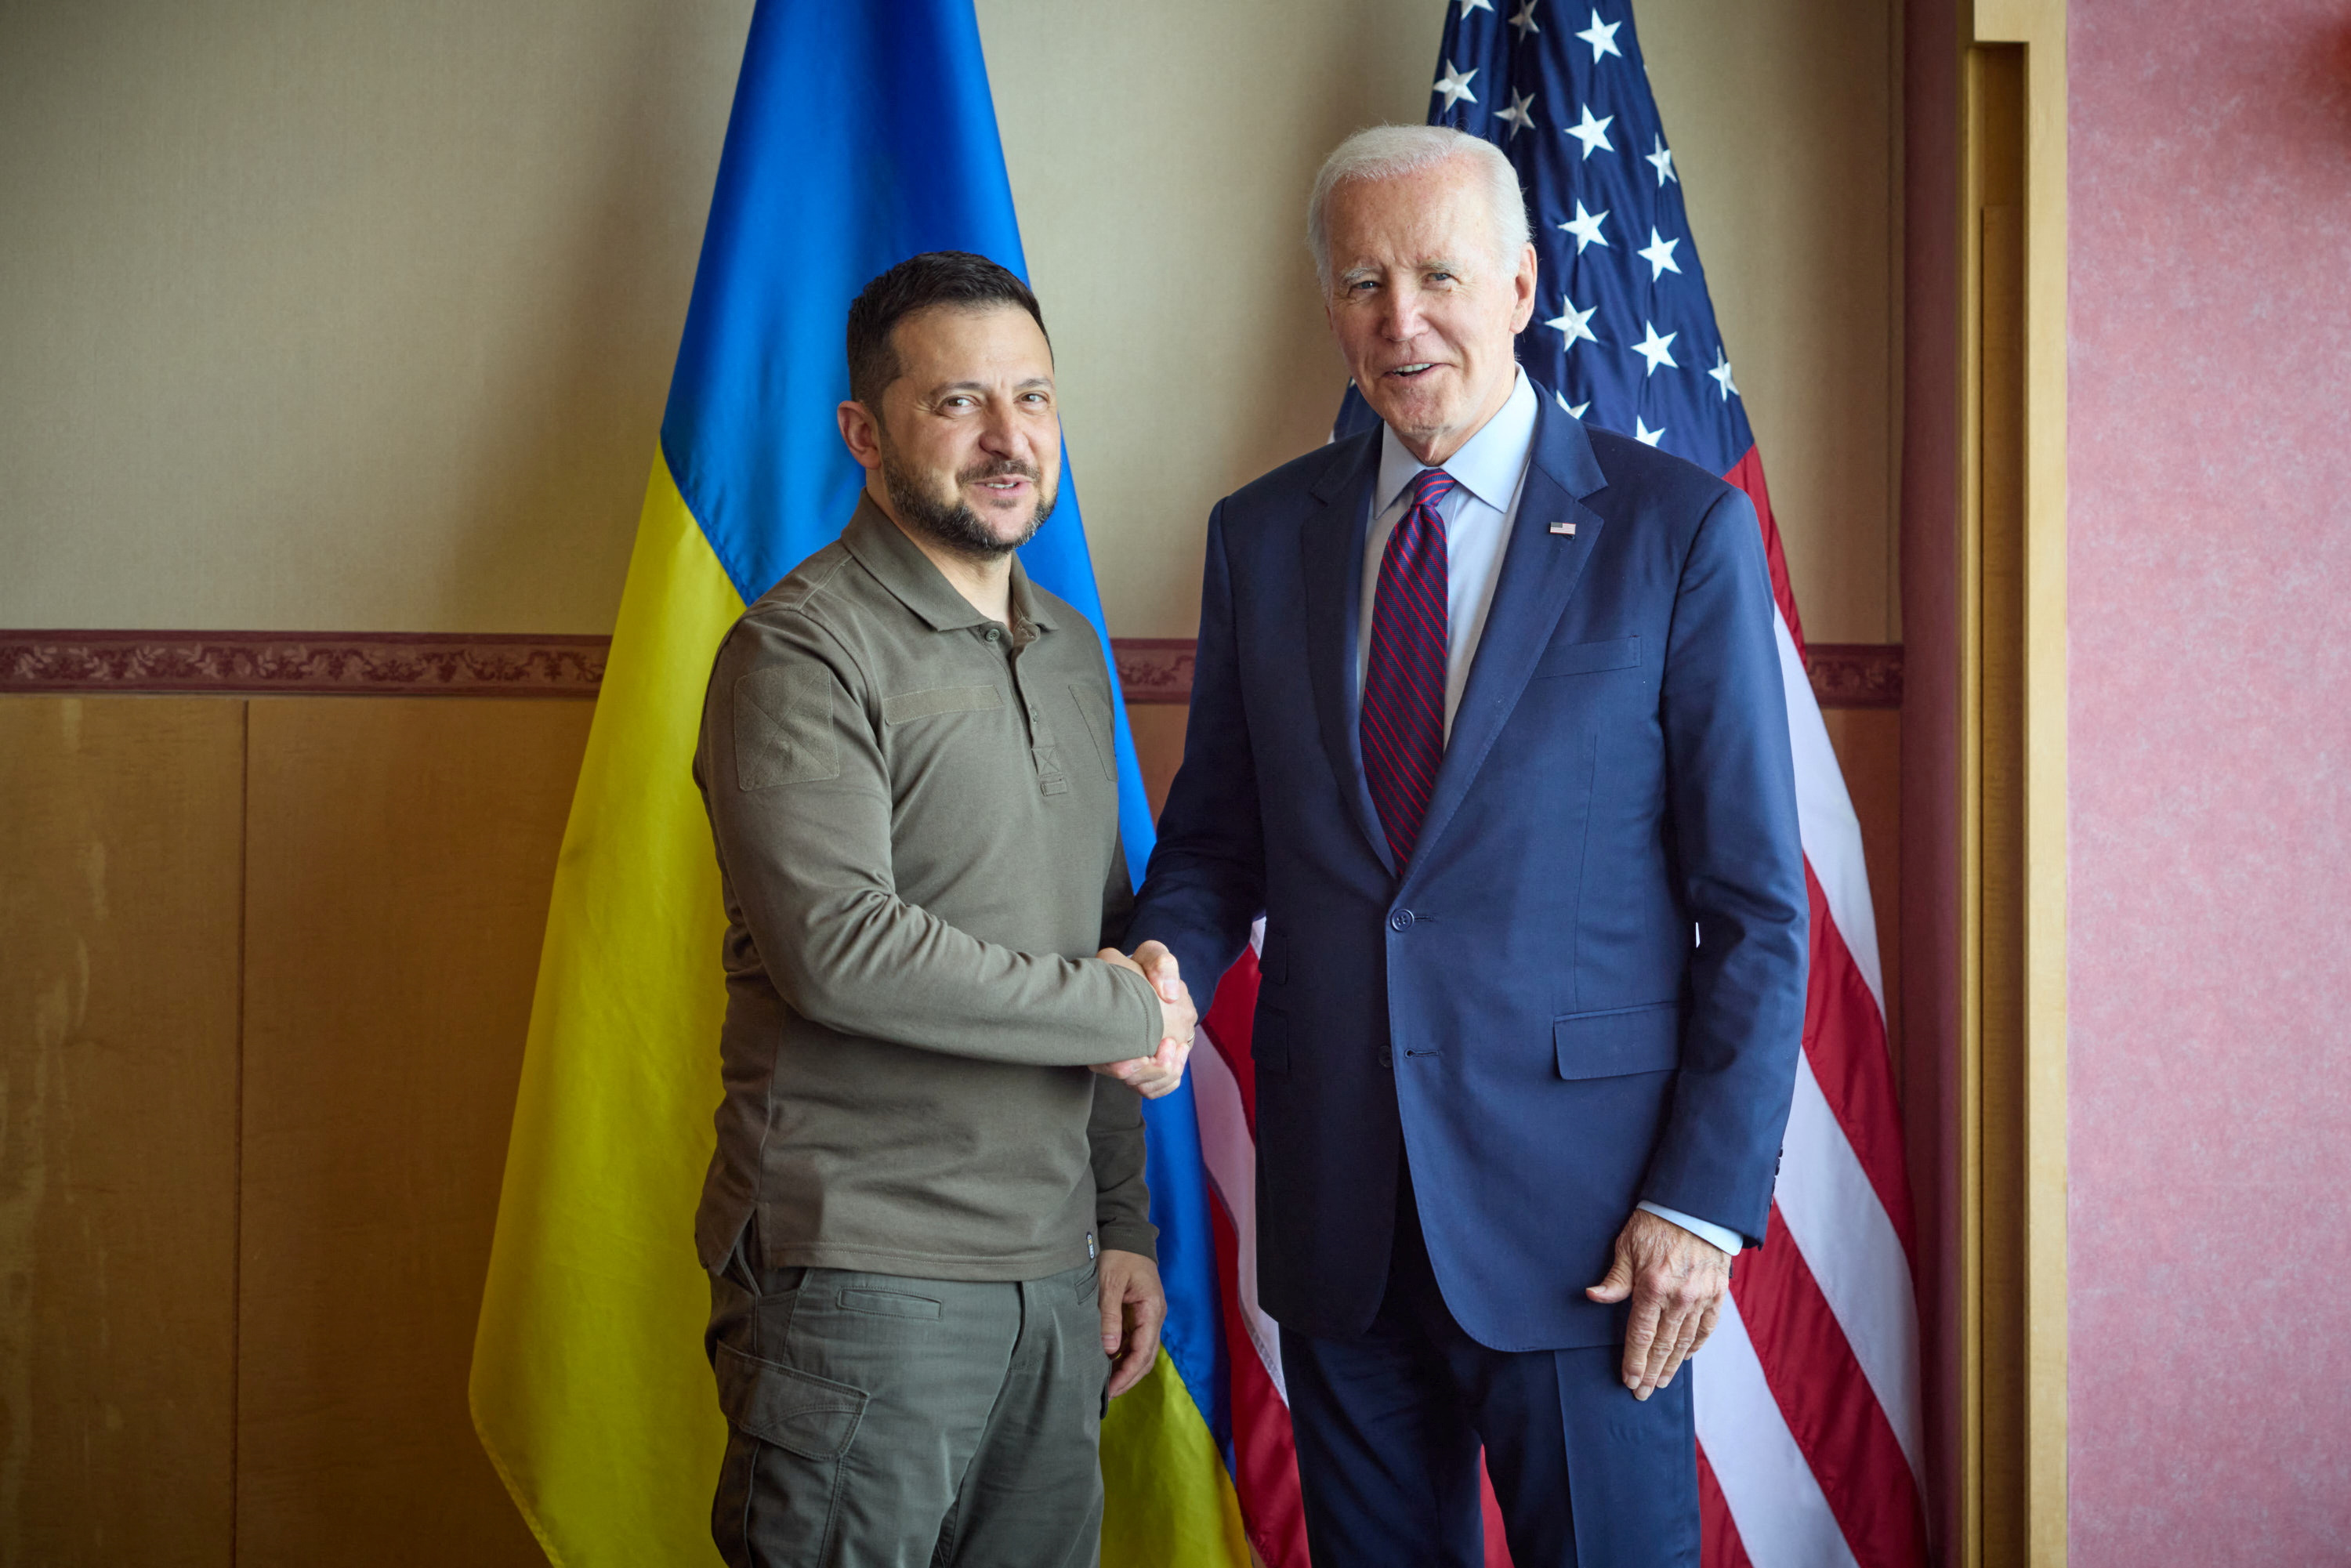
1158,746
120,820
400,854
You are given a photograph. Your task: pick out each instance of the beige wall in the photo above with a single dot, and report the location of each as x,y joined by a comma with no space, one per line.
343,316
361,317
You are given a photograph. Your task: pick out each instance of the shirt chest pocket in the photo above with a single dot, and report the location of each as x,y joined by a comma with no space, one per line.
942,734
908,707
1093,707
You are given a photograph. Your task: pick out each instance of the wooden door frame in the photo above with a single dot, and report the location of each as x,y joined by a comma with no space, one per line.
2011,1128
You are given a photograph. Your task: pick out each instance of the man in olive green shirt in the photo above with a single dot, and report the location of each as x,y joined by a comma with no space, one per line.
932,1261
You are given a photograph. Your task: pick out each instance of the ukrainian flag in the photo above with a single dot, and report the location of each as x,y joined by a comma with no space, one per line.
863,133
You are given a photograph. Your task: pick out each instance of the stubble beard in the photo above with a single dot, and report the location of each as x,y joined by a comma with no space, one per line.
952,523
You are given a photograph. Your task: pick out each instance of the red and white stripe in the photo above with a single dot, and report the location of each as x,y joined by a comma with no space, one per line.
1809,1425
1224,1098
1807,1397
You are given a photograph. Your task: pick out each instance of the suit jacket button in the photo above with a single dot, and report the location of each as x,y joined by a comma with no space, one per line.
1401,920
1385,1060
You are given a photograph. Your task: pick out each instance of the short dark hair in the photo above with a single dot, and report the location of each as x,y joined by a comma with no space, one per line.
935,278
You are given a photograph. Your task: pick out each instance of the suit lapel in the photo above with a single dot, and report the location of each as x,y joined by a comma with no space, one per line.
1540,573
1332,548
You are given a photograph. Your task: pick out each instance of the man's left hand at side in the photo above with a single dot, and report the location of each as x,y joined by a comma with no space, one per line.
1132,1307
1676,1282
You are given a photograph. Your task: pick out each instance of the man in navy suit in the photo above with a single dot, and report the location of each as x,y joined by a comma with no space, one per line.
1486,724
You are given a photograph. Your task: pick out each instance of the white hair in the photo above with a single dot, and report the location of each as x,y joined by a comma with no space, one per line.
1386,151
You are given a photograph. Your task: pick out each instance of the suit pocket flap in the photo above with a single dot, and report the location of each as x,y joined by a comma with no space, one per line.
1619,1040
939,699
1587,658
812,1417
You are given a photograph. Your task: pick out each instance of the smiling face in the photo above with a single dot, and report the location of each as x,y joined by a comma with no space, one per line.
1423,308
968,444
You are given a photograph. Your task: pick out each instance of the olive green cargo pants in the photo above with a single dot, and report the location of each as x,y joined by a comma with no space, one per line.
876,1421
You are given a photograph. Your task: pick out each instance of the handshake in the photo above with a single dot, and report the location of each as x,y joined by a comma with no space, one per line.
1151,1076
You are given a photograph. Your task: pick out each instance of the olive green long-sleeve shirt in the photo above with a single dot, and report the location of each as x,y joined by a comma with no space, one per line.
916,816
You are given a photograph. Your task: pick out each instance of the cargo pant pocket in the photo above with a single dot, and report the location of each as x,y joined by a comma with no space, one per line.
788,1433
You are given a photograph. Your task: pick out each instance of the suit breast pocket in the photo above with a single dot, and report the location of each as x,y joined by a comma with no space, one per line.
1589,658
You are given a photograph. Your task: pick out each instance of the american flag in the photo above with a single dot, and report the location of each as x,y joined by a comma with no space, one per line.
1807,1397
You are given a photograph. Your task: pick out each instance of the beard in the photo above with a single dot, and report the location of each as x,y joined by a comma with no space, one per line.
952,523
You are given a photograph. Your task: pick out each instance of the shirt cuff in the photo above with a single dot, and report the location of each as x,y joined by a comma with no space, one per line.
1140,1238
1140,986
1730,1241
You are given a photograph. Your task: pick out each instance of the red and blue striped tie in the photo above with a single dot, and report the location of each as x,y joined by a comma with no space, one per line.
1404,679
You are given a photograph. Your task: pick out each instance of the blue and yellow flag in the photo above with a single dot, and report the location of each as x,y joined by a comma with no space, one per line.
861,134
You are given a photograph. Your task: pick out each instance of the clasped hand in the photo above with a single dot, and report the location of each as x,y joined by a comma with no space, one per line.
1151,1076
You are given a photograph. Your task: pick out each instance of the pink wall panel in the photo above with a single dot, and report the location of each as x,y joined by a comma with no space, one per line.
2210,596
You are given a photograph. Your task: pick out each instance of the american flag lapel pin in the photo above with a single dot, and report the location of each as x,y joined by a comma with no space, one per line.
1566,531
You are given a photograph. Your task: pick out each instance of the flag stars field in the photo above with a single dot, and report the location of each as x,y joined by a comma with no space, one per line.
1585,227
1655,349
1659,254
1601,37
1454,85
1524,19
1592,133
1643,433
1721,373
1663,161
1518,114
1572,324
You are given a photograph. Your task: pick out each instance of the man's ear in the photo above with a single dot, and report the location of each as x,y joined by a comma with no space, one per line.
860,433
1525,285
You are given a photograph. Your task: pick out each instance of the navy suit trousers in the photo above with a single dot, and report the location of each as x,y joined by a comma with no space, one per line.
1389,1426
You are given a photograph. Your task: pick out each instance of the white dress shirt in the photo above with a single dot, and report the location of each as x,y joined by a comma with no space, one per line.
1488,473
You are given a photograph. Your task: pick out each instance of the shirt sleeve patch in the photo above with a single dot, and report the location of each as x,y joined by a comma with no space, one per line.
939,699
783,728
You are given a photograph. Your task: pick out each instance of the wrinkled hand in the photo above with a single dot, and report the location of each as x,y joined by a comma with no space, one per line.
1676,1282
1132,1307
1151,1076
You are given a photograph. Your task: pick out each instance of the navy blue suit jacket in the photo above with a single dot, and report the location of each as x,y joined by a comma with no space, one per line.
1587,989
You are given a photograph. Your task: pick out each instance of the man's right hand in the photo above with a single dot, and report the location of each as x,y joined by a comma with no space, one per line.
1151,1076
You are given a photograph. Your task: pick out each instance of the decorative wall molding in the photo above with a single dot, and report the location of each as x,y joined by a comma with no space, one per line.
1154,669
417,664
307,663
1855,675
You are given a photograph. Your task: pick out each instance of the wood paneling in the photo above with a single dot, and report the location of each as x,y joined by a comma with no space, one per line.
400,854
1158,746
119,839
244,1334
